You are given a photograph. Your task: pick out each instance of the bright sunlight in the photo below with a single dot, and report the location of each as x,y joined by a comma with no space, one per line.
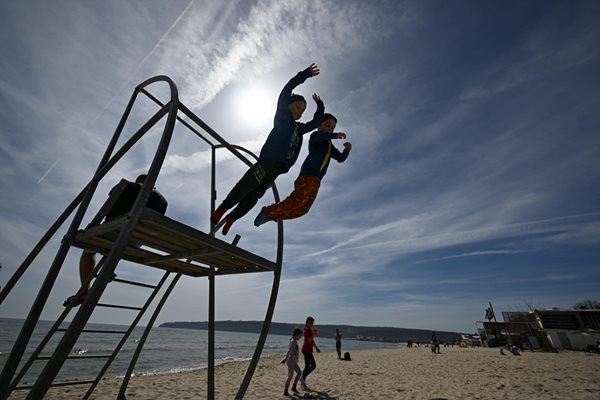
256,106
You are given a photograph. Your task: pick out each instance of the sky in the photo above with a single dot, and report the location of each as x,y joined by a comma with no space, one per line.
473,176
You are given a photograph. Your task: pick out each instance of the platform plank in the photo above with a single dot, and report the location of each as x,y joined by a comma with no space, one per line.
168,244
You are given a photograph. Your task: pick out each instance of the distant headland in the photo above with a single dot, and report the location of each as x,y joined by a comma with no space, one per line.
371,333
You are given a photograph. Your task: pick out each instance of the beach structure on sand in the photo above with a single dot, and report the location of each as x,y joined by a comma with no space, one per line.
548,329
167,244
467,340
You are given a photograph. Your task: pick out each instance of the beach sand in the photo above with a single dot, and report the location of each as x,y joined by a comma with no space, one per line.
404,373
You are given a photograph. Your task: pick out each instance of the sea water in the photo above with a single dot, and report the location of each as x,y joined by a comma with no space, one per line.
166,350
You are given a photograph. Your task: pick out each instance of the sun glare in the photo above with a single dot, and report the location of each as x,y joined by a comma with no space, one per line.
256,106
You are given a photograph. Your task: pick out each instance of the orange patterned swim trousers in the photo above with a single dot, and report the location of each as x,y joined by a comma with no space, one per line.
298,202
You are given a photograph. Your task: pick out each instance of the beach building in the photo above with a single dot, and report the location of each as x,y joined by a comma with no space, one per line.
470,340
548,329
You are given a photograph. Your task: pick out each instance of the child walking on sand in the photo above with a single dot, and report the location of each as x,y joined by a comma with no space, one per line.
291,358
314,168
277,155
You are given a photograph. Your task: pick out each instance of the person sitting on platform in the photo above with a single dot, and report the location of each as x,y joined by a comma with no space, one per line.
122,206
314,168
278,154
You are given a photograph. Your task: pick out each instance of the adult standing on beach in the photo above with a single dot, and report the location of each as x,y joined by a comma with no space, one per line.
435,345
338,343
307,351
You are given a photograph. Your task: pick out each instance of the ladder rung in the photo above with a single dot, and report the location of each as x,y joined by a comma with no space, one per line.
134,283
77,357
119,306
69,383
94,331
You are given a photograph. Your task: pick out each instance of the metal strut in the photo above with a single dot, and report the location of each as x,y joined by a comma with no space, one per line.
104,271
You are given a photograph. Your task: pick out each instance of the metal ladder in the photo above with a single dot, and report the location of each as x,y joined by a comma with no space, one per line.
56,327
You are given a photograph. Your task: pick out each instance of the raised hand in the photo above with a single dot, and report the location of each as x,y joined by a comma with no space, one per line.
316,97
348,146
314,70
341,135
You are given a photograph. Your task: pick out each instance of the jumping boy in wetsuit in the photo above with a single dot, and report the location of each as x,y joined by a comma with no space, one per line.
278,154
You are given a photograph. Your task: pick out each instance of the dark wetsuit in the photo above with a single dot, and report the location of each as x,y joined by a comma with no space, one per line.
278,154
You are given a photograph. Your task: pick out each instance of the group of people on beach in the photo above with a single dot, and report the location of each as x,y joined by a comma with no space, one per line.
308,346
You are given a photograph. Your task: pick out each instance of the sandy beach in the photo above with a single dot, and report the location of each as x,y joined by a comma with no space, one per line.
456,373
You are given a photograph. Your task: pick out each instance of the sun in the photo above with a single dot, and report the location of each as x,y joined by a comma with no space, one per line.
256,106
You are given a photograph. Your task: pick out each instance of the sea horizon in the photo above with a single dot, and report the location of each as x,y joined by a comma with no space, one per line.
167,350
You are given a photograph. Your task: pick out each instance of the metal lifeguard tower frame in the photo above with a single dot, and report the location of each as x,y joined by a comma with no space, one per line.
167,244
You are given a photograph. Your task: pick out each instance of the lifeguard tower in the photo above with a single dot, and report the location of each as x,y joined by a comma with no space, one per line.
167,244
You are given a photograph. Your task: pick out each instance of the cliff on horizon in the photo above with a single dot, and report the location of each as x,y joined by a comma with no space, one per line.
349,331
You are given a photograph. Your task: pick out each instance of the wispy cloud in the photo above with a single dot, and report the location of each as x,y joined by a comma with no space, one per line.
418,234
562,277
267,38
201,160
127,83
474,254
48,171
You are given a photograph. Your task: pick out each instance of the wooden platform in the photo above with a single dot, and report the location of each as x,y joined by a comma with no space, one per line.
168,244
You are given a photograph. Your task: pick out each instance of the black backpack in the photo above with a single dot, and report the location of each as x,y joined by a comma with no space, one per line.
347,356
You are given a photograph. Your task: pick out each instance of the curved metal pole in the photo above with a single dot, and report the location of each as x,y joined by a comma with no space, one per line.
268,317
102,171
263,337
222,142
183,122
78,323
61,219
29,324
273,298
22,340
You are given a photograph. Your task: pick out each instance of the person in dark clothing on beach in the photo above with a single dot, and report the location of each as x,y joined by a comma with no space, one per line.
338,343
435,345
307,351
314,168
278,154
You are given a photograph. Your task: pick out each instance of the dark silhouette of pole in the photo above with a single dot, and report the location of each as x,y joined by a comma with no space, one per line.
493,315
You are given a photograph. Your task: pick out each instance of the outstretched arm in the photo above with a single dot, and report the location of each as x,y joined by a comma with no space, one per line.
317,118
341,156
286,92
320,136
